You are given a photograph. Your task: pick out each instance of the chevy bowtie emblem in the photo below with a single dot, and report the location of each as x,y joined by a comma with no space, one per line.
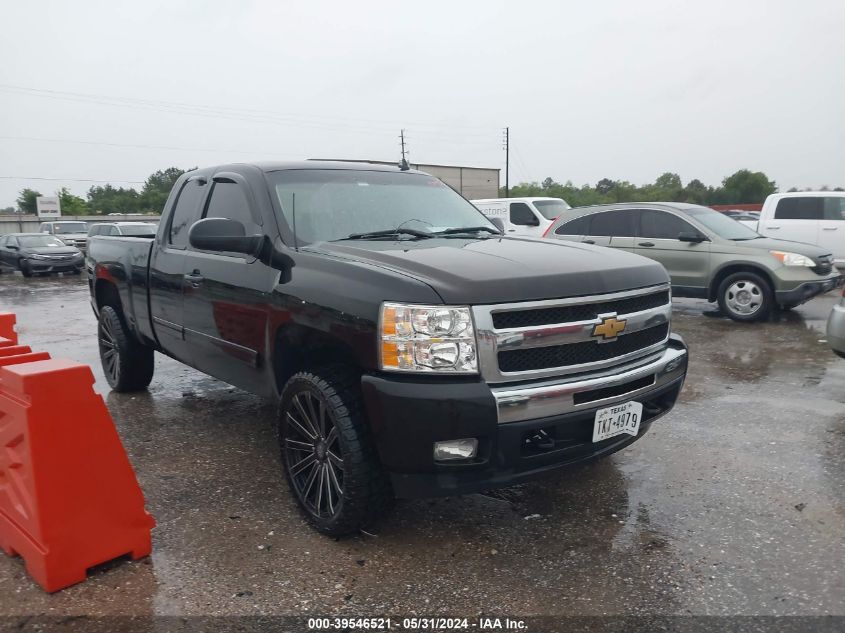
609,328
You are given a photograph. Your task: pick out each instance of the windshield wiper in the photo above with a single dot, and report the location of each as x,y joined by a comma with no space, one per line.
469,229
387,233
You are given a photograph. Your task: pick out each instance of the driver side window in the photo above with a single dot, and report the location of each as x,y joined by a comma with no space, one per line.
659,225
522,215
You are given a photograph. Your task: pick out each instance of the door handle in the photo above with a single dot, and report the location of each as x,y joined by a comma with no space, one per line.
511,230
589,241
829,228
648,244
773,227
194,279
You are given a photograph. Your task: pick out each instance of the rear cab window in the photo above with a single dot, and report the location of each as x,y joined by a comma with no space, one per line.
809,208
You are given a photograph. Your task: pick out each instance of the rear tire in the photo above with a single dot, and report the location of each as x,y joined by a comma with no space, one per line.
327,452
745,297
127,364
26,271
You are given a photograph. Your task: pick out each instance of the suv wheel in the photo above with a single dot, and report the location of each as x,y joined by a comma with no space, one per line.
745,297
127,364
329,461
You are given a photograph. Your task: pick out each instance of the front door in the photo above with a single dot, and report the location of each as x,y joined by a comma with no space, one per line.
687,263
227,295
523,220
832,228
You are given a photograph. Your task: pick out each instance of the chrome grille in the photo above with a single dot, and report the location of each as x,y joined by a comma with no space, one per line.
519,341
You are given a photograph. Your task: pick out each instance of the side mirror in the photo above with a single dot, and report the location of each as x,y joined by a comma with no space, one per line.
12,247
690,236
497,222
222,234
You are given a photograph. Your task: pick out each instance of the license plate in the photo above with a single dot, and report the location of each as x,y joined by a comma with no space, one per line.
616,420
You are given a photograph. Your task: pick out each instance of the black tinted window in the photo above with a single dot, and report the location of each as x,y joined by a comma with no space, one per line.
522,214
578,226
810,208
660,225
612,224
228,200
834,208
186,212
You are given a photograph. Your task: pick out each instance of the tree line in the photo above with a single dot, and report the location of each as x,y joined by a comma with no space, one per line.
105,199
742,187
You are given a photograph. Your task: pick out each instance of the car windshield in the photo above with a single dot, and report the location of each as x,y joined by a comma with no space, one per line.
70,227
722,225
551,209
336,204
138,229
39,241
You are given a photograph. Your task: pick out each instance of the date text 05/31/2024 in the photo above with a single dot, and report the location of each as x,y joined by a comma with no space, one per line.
416,624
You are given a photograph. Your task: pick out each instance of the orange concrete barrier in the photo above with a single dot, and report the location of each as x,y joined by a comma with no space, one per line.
69,499
8,336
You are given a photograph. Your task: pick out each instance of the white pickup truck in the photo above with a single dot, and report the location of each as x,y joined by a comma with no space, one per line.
814,217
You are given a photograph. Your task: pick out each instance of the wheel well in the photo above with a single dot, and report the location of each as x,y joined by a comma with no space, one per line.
737,268
106,294
297,348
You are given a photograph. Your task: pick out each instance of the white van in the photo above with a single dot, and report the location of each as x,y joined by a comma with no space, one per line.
523,216
814,217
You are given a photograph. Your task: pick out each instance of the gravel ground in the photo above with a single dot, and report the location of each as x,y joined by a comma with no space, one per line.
732,504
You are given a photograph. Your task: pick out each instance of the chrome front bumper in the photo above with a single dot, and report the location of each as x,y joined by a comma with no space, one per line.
555,397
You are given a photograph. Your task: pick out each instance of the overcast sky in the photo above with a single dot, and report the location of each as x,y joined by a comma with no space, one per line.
626,90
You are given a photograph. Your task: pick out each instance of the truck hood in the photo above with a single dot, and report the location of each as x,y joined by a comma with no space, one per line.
506,269
771,244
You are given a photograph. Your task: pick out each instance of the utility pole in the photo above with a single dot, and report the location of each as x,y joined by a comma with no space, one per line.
506,147
404,164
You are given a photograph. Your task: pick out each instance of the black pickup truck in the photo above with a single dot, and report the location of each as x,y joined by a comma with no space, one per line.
414,350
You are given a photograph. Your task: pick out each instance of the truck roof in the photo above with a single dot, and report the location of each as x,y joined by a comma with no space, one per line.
268,166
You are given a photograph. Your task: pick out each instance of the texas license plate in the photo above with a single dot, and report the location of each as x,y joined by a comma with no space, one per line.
616,420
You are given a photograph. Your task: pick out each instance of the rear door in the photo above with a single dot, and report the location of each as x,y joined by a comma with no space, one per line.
167,270
687,263
832,227
795,218
615,228
573,230
227,294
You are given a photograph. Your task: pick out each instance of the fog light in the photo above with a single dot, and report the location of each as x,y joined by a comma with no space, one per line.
455,449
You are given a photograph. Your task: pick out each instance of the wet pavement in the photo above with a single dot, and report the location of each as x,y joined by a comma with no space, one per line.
732,504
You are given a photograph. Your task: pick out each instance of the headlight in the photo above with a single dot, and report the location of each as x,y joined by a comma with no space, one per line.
427,338
793,259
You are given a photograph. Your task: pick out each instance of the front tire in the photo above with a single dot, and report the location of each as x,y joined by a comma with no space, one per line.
127,364
26,271
745,297
330,463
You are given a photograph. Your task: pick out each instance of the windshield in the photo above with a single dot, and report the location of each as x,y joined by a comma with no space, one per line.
61,228
722,225
551,209
334,204
137,229
39,241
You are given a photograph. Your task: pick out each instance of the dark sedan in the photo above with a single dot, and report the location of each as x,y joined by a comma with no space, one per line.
37,253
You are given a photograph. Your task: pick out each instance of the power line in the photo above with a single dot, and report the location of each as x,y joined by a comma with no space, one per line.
130,182
133,145
240,114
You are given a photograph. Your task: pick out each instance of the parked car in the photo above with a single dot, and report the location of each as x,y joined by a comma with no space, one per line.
36,253
71,232
748,218
135,229
836,328
707,254
522,216
814,217
414,350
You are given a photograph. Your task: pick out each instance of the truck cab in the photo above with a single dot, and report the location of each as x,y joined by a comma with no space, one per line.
530,217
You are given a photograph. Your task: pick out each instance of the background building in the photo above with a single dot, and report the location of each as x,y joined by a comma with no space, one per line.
471,182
